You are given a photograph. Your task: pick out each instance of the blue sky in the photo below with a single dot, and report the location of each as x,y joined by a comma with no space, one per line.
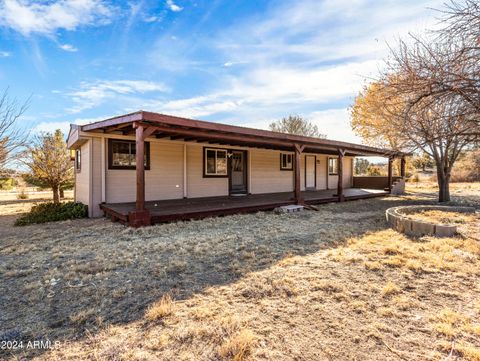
237,62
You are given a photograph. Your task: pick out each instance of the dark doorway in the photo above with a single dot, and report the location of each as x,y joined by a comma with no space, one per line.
238,172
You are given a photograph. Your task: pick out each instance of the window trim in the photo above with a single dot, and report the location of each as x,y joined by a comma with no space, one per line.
336,160
205,175
78,160
126,167
293,161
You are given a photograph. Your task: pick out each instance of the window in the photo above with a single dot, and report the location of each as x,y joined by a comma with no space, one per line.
215,162
286,161
78,160
122,154
332,166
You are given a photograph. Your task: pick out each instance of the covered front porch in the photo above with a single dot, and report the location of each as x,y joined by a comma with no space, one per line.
197,178
197,208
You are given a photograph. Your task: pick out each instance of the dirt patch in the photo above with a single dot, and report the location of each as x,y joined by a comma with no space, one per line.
332,284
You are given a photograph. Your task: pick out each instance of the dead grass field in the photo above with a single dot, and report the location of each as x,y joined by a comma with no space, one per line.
327,285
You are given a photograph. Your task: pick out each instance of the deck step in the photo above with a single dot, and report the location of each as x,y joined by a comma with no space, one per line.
289,208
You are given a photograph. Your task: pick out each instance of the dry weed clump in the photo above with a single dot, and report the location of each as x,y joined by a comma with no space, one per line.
258,288
160,309
82,316
390,289
237,347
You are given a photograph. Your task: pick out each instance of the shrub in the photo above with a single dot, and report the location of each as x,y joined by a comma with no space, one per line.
467,168
22,195
7,184
160,309
50,212
414,178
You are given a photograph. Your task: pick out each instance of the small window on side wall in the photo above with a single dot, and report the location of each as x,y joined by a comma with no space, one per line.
215,162
332,166
122,154
286,161
78,160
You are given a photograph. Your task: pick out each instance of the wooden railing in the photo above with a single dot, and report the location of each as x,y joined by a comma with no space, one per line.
372,182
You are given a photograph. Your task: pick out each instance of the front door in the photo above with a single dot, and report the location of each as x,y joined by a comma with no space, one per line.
238,172
310,165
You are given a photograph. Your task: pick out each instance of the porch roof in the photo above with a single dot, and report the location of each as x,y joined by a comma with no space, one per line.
163,126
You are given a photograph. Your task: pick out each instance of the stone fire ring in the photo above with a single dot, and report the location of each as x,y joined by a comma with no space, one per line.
398,220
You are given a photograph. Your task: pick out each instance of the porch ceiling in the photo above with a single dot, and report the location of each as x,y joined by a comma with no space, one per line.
166,126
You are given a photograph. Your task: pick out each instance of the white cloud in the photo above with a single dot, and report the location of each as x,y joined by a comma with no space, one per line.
47,17
68,47
5,54
64,126
93,94
300,57
50,127
284,85
172,6
150,19
335,123
271,91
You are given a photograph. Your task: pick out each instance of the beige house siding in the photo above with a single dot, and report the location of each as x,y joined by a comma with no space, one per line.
321,172
197,185
347,172
266,176
164,180
96,171
82,177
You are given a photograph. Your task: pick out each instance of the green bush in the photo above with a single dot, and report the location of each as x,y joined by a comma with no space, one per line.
7,184
50,212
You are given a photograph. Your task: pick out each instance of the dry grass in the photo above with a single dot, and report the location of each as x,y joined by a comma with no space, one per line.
160,309
443,217
237,347
332,284
390,289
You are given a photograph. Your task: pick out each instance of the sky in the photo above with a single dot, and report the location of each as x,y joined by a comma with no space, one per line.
240,62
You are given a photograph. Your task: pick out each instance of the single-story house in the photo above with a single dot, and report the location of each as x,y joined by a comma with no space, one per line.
145,167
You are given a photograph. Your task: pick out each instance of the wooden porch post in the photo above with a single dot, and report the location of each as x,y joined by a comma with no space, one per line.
140,168
340,195
298,195
390,173
140,217
402,167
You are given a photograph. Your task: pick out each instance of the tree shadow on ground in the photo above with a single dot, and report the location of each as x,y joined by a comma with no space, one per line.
61,279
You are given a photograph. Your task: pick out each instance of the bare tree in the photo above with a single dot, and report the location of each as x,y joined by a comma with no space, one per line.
446,62
441,131
436,80
49,161
12,137
294,124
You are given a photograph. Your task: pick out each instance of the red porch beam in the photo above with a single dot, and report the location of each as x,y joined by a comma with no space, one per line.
235,138
341,154
390,173
298,194
140,217
140,167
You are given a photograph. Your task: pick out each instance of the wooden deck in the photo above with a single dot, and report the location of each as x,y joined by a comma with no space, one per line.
196,208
